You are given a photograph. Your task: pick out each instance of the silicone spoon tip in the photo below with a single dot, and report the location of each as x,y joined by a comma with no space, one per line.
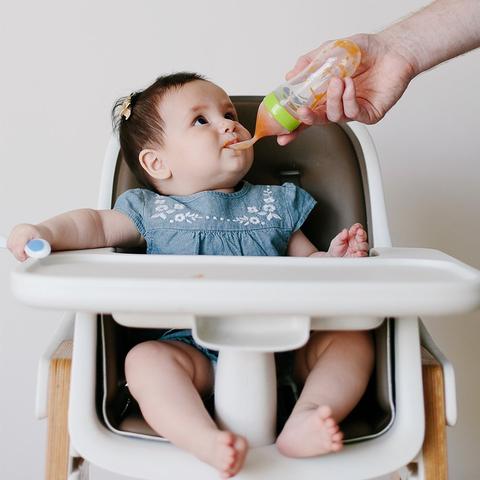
243,145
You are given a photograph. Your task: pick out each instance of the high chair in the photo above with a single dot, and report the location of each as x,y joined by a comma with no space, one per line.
250,309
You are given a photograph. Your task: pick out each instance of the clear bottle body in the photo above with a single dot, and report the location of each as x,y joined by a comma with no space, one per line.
277,113
309,87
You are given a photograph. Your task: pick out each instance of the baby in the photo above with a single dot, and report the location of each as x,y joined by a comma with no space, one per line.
175,136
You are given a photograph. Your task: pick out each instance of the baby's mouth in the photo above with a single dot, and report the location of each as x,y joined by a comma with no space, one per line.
230,142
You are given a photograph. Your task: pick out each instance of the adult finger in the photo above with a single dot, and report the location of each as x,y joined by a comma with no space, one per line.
302,62
286,138
350,105
306,116
335,91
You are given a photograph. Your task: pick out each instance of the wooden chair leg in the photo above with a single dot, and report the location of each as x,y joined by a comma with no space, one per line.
58,392
435,443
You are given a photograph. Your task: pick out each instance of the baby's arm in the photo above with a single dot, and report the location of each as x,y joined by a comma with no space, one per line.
300,246
78,229
348,243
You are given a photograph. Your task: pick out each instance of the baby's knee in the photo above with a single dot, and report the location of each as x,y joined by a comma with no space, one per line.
361,338
135,357
324,339
360,341
344,342
146,354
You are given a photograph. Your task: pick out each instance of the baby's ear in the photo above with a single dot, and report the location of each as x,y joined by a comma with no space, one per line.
154,164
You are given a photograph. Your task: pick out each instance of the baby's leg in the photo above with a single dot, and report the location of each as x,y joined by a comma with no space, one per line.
335,367
167,379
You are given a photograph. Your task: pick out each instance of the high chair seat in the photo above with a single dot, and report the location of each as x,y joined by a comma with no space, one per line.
287,297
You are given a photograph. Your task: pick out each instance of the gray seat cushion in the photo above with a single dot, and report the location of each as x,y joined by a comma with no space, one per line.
120,413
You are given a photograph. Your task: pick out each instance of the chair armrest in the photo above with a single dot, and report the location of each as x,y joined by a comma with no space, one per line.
408,253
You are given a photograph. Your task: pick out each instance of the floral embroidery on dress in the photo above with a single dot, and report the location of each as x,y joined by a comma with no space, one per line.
170,210
164,211
267,210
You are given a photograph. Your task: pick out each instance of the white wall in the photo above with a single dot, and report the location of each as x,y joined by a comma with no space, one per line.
64,63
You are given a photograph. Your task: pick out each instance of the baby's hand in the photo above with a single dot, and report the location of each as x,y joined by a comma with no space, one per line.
350,243
19,237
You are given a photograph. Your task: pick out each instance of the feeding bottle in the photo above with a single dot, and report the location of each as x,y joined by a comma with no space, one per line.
277,114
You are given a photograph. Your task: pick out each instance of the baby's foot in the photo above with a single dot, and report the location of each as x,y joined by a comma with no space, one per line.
309,433
226,452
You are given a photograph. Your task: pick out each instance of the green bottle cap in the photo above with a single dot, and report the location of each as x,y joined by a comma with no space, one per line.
280,113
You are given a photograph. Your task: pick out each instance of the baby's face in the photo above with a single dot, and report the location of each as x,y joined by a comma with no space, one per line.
200,120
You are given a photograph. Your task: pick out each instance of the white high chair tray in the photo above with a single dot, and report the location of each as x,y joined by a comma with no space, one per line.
391,282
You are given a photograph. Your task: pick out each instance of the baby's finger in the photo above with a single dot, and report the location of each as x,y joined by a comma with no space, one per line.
335,91
15,247
360,235
19,253
340,239
342,236
362,246
355,227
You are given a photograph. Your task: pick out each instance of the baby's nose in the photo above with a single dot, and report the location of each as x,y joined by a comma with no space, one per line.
227,126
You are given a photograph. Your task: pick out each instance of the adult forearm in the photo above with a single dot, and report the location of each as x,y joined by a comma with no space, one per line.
438,32
74,230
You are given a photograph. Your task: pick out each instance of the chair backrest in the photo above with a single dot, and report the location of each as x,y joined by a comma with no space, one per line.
323,160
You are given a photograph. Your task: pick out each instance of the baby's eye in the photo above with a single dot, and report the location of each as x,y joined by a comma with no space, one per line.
231,116
200,120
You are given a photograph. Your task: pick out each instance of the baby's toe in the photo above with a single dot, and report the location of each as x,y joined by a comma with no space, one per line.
324,412
329,423
229,460
336,447
333,429
337,437
226,438
240,448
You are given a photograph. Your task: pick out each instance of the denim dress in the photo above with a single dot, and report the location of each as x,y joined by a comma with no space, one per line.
256,220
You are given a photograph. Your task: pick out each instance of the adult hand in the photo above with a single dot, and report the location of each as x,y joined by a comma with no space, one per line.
380,80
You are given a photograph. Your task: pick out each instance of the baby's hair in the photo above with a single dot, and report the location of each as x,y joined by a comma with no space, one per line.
143,127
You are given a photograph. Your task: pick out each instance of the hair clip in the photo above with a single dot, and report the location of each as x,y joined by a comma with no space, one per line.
126,110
